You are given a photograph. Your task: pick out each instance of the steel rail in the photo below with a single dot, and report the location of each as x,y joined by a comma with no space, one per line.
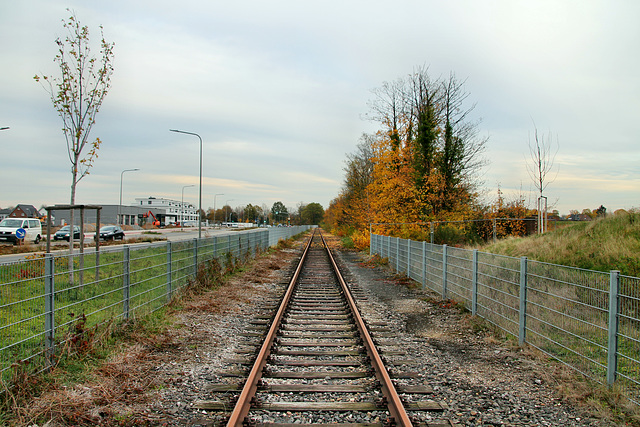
243,405
394,404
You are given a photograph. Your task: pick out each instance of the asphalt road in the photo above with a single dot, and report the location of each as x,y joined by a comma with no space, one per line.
171,234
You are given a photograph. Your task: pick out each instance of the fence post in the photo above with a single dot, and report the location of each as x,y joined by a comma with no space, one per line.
169,271
370,241
397,255
431,232
424,264
474,283
612,350
376,238
522,330
444,272
195,258
388,253
494,230
126,281
50,308
409,258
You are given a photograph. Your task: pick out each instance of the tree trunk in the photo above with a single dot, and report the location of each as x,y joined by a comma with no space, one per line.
71,221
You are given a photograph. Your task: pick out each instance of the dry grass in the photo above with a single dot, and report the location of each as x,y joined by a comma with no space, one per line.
110,385
606,403
112,381
605,244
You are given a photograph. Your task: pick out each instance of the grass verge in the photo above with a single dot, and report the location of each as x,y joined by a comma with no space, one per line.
94,369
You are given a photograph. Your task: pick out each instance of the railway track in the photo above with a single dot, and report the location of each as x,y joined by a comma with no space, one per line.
315,361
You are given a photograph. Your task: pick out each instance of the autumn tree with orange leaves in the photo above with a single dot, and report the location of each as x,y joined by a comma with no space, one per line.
421,164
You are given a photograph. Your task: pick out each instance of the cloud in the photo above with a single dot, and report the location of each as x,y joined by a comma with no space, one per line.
276,90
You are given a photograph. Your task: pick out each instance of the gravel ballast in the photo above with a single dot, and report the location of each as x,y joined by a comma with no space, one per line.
482,380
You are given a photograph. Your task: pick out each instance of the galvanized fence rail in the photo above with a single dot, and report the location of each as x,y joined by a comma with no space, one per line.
588,320
49,303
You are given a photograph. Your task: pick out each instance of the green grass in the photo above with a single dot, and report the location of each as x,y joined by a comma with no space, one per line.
93,297
611,243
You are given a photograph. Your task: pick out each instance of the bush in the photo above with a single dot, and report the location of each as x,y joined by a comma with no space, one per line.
449,235
360,240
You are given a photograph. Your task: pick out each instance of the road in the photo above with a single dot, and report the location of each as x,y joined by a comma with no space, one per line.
171,234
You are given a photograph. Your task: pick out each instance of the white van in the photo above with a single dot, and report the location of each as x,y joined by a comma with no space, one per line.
31,226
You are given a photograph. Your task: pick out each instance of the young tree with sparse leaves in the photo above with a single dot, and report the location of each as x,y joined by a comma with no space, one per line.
542,158
78,93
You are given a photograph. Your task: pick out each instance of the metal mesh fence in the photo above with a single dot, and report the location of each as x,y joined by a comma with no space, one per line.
586,319
498,290
51,300
628,336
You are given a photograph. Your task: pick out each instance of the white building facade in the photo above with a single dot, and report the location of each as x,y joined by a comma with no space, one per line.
175,211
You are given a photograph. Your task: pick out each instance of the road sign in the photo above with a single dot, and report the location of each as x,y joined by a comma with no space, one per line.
20,233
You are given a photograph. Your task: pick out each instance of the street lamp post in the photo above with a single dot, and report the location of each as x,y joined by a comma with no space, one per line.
182,205
200,189
214,206
121,174
226,203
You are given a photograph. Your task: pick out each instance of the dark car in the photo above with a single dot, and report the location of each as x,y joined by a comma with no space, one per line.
111,232
63,233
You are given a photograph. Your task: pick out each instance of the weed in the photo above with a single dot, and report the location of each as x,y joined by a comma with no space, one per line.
347,242
285,244
209,275
375,261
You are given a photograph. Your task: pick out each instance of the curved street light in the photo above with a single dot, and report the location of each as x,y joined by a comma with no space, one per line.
121,174
200,190
182,205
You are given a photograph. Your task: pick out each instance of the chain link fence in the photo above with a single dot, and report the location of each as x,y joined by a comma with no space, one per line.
588,320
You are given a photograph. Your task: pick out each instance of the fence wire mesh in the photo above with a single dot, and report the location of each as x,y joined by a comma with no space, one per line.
588,320
47,301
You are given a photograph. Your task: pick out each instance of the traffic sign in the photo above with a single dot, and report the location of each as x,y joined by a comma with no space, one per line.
20,233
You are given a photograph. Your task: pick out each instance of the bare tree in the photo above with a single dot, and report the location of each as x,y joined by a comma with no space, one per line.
542,157
462,148
388,107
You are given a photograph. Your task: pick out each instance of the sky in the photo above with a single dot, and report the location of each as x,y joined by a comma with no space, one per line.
278,91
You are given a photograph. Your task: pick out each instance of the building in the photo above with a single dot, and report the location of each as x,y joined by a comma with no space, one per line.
144,211
110,214
174,211
4,213
24,211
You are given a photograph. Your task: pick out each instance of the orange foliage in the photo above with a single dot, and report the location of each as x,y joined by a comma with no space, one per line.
514,211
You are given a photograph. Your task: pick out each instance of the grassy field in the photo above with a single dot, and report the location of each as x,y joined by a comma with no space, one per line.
611,243
92,294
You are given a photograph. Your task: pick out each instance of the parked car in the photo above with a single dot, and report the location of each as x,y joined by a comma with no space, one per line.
63,233
31,226
111,232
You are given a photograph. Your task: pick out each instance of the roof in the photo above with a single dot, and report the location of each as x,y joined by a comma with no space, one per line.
29,210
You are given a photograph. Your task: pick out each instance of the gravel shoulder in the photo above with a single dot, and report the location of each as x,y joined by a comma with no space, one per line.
482,380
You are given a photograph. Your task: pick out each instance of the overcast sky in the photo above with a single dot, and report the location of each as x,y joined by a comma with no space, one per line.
278,91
